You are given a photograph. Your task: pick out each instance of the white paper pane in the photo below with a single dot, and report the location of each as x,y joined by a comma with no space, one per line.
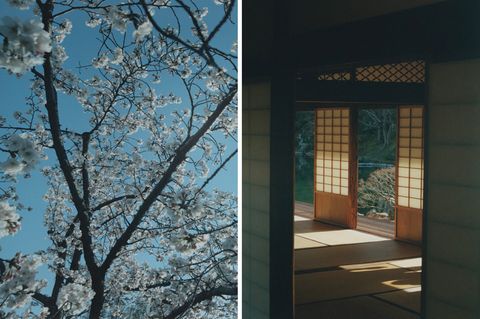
416,163
402,201
405,122
403,172
417,183
404,132
403,181
415,173
416,132
404,112
416,142
417,112
404,142
336,173
415,193
403,191
415,203
404,162
417,122
403,152
335,189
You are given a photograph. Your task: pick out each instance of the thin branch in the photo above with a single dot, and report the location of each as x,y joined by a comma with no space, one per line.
202,296
217,171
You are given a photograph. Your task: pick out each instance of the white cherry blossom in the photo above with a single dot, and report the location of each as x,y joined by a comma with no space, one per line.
74,298
136,226
9,220
24,44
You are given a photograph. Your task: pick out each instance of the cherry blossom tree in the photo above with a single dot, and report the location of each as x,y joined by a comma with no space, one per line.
137,228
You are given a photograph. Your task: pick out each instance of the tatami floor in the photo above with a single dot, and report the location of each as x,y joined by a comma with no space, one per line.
344,273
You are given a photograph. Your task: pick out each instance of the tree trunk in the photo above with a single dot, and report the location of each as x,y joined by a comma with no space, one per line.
98,287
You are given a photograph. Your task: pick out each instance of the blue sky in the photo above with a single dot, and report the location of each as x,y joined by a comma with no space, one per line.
13,91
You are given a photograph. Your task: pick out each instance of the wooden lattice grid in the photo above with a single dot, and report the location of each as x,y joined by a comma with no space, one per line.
332,150
405,72
410,172
337,76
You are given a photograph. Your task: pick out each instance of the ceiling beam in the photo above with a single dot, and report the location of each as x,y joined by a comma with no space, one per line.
310,93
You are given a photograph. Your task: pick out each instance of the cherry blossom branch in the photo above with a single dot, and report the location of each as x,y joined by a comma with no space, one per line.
200,51
54,120
200,297
158,188
209,179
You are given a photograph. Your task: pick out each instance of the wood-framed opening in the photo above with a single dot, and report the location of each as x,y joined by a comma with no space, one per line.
336,169
333,245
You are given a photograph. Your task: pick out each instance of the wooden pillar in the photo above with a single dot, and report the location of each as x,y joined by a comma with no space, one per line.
281,168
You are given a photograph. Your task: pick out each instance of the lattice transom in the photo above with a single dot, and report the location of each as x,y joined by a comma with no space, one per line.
337,76
405,72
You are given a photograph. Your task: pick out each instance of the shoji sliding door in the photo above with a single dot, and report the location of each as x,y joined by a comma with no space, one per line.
335,167
410,173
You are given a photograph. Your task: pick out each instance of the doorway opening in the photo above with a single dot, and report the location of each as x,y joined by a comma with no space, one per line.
377,149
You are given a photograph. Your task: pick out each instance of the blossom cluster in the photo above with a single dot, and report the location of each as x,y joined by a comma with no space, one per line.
9,220
18,282
19,146
21,4
74,298
24,45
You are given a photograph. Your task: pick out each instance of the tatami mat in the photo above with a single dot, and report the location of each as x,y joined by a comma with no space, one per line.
331,256
406,298
304,243
407,263
354,308
344,273
342,237
366,280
